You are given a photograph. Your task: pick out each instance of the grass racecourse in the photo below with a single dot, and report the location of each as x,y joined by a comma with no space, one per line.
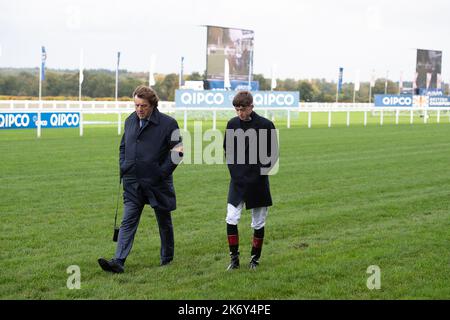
345,198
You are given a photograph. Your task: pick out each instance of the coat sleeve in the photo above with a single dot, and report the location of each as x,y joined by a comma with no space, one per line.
122,154
173,158
225,142
272,146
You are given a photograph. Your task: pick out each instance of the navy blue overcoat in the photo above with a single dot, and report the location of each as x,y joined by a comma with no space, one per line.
146,159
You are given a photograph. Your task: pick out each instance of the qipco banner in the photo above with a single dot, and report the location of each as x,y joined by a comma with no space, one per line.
391,100
224,99
28,120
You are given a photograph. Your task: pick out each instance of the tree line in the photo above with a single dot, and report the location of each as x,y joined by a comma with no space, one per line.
99,84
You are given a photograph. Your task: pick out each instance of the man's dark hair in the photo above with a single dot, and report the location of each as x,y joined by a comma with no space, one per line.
243,99
148,94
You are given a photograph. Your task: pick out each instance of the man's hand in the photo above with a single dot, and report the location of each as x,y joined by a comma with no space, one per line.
178,148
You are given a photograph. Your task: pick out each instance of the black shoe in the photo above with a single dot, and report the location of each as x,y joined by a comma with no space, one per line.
234,264
253,264
165,263
111,265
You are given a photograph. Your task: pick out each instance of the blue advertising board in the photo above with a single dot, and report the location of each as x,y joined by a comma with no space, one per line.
28,120
391,100
224,99
439,101
417,101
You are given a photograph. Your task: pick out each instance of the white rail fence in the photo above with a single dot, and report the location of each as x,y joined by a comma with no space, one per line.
126,107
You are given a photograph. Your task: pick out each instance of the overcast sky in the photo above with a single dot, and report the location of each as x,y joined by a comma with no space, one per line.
303,38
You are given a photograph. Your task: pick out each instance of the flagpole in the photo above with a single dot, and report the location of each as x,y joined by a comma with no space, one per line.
80,81
151,78
80,76
385,82
40,102
356,85
371,83
273,82
117,76
119,116
40,83
354,93
339,83
337,89
180,81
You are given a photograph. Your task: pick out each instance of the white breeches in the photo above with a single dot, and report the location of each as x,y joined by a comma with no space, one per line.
258,215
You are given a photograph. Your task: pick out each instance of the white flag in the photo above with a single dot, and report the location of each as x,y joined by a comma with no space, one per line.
372,79
81,78
428,79
357,81
386,82
226,75
273,83
151,78
400,83
439,81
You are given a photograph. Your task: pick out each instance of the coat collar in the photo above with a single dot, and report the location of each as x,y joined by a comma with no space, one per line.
154,117
255,118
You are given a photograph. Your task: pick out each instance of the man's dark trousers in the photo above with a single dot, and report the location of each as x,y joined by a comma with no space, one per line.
134,201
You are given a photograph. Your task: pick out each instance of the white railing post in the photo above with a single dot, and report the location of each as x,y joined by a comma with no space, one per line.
348,118
438,117
309,119
329,119
396,116
381,117
289,118
119,120
365,118
81,121
39,124
185,120
411,116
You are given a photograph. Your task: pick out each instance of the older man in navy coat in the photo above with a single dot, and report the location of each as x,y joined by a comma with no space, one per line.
150,151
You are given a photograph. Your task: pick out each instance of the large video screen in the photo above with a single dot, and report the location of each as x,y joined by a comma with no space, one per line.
428,69
236,45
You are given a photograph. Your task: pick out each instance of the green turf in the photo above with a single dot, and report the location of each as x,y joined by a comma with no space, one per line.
345,198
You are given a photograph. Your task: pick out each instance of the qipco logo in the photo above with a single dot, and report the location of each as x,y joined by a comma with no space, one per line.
271,99
397,101
64,120
18,120
201,98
